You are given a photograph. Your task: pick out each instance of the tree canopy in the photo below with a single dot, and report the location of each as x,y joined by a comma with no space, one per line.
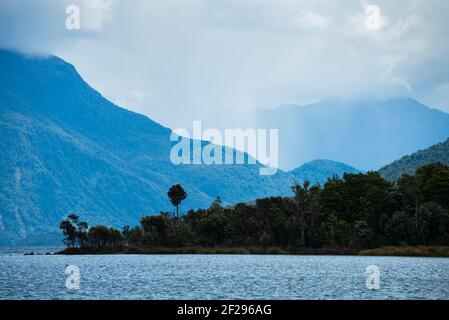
176,194
354,212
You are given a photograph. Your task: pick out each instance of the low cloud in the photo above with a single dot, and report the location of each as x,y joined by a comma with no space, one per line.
313,20
97,13
179,60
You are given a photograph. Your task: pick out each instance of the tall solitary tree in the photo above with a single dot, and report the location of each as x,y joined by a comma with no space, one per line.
176,195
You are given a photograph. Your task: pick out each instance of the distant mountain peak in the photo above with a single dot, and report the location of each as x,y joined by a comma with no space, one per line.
368,133
320,170
66,149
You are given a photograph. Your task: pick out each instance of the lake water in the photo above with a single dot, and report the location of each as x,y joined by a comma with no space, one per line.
220,277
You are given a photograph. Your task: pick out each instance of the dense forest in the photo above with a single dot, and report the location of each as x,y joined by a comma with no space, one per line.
355,212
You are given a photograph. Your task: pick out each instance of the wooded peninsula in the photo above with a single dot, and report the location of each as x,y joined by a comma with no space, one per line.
356,214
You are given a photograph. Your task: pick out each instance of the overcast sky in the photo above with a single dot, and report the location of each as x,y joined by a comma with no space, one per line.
216,60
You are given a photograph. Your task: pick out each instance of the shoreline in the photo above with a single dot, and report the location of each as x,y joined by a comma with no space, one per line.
389,251
408,251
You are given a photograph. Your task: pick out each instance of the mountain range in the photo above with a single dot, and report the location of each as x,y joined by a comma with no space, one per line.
367,134
318,171
66,149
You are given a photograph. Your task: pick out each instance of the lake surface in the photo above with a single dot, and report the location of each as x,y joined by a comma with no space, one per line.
219,276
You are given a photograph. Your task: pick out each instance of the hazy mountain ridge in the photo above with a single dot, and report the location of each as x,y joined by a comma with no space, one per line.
318,171
66,149
408,164
367,134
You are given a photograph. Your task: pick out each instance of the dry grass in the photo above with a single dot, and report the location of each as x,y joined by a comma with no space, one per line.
418,251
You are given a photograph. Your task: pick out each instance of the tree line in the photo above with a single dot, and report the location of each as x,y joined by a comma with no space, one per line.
357,211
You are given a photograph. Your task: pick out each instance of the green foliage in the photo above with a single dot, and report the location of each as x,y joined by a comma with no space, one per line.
101,236
74,231
176,195
358,211
155,229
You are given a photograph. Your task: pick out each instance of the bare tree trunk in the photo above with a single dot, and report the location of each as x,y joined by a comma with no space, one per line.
302,219
303,238
416,213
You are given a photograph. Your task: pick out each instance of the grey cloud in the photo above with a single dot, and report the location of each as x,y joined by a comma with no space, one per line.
178,61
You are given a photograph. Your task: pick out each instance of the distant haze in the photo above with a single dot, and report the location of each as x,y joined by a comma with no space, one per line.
366,134
217,61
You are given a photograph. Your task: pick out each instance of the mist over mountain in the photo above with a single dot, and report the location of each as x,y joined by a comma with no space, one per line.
318,171
410,163
66,149
367,134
